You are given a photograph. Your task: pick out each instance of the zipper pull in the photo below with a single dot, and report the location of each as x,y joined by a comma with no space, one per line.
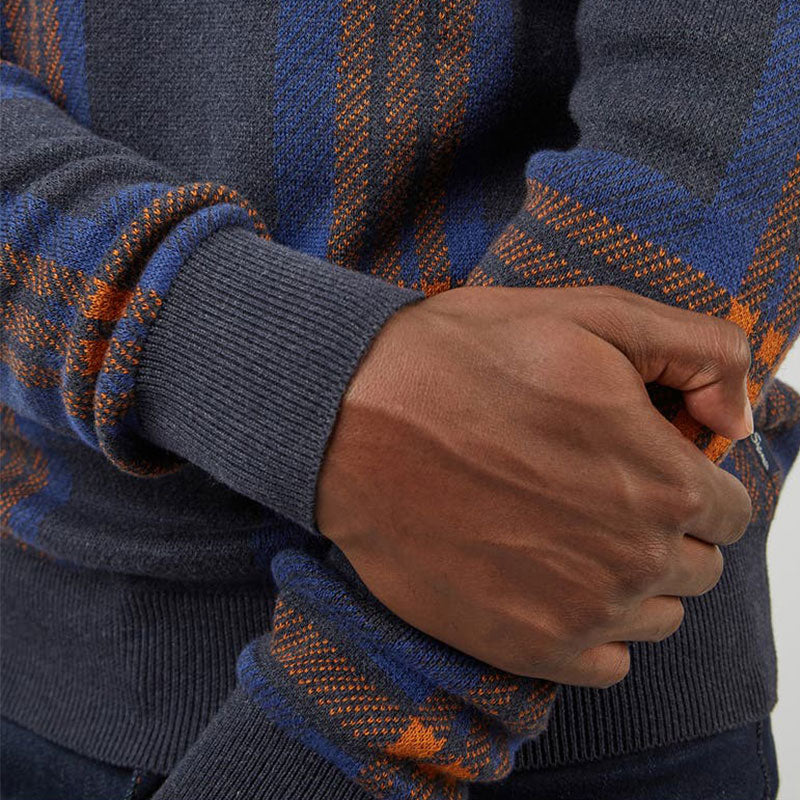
755,438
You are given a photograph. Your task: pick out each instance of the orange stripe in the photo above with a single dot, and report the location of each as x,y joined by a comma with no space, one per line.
539,267
36,40
51,37
351,147
402,133
106,299
780,229
452,57
681,284
768,338
33,40
12,11
789,307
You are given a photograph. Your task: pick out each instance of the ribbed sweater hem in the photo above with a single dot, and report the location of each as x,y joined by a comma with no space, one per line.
132,671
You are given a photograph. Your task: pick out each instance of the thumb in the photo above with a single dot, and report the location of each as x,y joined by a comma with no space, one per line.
704,357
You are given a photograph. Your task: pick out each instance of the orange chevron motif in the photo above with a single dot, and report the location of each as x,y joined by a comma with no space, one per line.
452,58
781,229
351,147
402,133
517,250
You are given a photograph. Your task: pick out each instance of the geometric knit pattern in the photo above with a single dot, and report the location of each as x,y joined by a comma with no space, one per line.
74,335
558,239
400,714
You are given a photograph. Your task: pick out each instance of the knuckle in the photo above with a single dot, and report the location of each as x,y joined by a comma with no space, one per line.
602,614
743,513
577,621
650,564
690,499
732,347
738,348
726,348
739,510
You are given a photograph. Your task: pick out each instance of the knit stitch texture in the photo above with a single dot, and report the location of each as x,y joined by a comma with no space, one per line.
174,354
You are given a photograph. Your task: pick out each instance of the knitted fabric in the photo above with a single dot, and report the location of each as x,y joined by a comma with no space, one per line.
158,324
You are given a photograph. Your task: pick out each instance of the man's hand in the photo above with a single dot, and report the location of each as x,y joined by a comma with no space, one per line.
499,478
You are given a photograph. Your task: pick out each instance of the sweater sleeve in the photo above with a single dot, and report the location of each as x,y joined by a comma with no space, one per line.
156,321
100,248
684,187
685,183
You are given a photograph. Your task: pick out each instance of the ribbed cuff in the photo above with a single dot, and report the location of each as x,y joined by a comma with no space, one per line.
245,367
242,754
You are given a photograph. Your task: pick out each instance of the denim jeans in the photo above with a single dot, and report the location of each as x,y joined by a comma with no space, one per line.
736,765
33,768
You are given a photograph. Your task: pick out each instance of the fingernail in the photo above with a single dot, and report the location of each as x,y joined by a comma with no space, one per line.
748,418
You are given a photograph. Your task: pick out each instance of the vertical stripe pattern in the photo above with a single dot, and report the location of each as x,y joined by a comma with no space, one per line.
36,40
308,41
402,134
454,31
47,39
351,132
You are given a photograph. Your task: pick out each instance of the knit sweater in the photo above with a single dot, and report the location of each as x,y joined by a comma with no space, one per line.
208,212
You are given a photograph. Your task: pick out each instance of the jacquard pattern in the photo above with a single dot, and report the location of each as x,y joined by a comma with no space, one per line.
351,131
557,239
84,282
79,331
402,93
404,715
453,44
557,242
34,32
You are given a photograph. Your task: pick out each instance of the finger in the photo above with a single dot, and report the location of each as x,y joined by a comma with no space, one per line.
656,619
702,499
724,512
598,667
695,570
705,358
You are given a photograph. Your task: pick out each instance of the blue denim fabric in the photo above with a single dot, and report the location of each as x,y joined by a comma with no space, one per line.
33,768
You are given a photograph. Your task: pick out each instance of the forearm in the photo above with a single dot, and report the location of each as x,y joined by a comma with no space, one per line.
157,322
